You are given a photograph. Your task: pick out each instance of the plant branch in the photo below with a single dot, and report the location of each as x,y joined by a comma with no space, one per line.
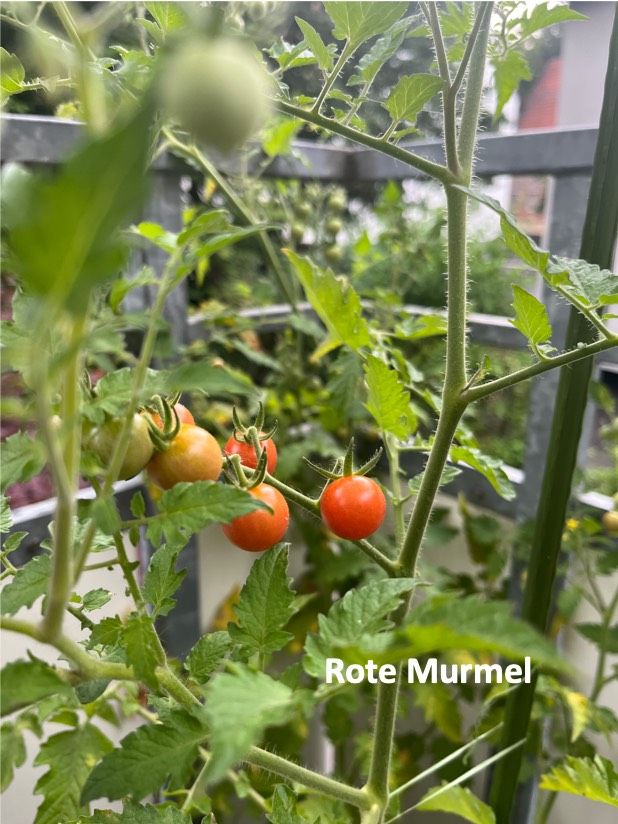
430,11
472,99
483,10
346,52
428,167
475,393
258,757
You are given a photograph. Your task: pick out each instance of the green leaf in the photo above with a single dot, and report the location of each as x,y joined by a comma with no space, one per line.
70,756
595,779
162,580
490,468
388,399
239,707
143,647
284,809
315,44
6,518
335,301
12,74
12,753
530,317
265,605
381,52
459,801
343,388
95,599
361,612
470,624
440,709
137,814
22,459
189,507
410,94
517,241
509,70
202,376
358,22
147,758
277,137
168,16
28,584
207,655
604,637
107,633
541,16
586,281
24,682
70,226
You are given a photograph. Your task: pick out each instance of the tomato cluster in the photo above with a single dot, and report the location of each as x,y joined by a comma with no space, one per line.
352,506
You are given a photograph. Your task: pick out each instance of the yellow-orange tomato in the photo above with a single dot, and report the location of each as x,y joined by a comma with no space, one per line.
193,455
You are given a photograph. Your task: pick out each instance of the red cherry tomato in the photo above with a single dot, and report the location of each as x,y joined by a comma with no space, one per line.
353,507
193,455
247,453
184,416
260,529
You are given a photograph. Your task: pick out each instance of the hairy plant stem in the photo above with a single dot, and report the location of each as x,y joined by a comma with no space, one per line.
452,405
346,52
606,622
428,167
61,580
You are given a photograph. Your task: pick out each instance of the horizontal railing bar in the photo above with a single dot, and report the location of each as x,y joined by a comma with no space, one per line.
562,151
47,140
491,330
35,518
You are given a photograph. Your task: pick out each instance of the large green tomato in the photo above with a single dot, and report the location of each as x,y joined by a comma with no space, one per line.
216,90
139,451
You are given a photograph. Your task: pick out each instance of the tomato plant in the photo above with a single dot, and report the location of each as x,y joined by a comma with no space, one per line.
188,83
260,530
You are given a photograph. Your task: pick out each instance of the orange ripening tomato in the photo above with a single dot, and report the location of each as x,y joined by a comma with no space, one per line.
193,455
353,507
247,454
184,415
260,529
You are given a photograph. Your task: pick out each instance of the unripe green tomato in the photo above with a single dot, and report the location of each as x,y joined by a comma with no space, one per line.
216,90
333,225
303,209
337,202
298,232
333,254
139,451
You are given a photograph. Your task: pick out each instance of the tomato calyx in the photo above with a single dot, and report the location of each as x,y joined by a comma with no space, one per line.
344,466
163,420
252,447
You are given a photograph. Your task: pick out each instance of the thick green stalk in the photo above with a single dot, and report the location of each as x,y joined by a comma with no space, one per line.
451,410
474,92
308,778
598,239
61,580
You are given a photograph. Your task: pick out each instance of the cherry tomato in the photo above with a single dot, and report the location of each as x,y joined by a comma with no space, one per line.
353,507
103,442
193,455
184,415
610,522
260,529
247,453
